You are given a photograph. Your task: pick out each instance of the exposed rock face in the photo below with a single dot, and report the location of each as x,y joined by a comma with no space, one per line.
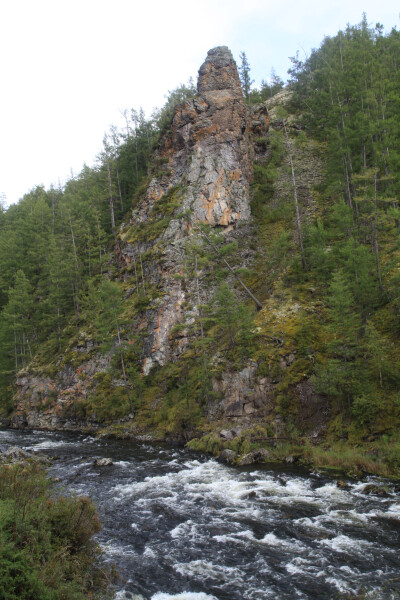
219,72
45,402
214,128
208,149
243,395
207,156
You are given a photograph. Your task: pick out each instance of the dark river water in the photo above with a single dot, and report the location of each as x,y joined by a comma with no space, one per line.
181,526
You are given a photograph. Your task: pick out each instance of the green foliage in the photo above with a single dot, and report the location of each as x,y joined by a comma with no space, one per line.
231,323
175,97
210,443
47,551
244,75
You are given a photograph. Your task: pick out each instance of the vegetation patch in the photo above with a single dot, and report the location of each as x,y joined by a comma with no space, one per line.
47,550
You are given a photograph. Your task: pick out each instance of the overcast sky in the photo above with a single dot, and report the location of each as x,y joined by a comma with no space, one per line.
69,67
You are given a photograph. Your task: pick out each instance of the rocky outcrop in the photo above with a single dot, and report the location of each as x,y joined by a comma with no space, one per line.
53,402
208,149
204,174
241,395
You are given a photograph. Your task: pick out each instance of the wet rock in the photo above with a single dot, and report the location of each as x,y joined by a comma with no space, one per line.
290,459
246,459
376,490
227,456
342,484
103,462
254,456
17,455
251,495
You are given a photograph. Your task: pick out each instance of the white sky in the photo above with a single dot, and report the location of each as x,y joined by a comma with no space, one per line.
68,68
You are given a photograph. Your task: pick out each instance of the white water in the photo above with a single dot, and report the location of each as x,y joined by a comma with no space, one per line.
184,527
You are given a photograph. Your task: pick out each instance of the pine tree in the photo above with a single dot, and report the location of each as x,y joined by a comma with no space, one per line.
244,75
18,313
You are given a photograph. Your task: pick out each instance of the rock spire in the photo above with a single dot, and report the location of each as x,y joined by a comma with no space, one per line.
209,147
219,72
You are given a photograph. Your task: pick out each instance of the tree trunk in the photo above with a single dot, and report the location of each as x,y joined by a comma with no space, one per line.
111,197
296,203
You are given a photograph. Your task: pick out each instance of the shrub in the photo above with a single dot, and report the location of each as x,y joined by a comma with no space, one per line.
47,550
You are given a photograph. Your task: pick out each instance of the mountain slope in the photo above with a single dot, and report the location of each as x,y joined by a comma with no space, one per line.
246,302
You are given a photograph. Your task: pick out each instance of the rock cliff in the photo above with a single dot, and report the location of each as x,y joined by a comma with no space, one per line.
206,167
202,176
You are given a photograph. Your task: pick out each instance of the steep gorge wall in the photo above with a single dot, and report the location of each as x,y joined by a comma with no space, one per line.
207,157
203,175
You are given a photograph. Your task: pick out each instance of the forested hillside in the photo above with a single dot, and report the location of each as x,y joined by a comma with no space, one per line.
348,94
285,323
55,242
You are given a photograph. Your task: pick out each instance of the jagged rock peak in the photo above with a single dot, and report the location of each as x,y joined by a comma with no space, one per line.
219,72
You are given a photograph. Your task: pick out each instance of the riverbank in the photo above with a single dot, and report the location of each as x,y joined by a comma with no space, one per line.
177,523
379,456
47,548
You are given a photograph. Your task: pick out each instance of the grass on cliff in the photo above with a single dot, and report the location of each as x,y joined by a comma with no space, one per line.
47,550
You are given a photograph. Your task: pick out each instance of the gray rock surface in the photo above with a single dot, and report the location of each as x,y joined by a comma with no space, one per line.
227,456
254,456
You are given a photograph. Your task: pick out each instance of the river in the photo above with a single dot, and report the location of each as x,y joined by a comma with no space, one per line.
180,526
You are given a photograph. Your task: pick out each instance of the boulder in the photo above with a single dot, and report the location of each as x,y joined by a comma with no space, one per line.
14,452
226,434
246,459
261,454
103,462
376,490
342,484
17,455
227,456
254,456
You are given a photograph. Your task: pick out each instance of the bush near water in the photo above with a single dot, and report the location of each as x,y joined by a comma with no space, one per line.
47,550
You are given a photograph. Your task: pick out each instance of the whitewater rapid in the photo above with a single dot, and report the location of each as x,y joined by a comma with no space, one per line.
181,526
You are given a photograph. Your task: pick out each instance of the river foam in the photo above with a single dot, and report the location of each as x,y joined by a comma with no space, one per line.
180,526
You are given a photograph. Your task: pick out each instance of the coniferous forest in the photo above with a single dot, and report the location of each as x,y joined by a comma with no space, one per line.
325,272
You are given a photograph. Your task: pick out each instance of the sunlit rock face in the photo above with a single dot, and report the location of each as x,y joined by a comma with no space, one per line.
208,149
208,156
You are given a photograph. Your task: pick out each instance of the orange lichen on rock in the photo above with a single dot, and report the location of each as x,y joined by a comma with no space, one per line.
236,175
